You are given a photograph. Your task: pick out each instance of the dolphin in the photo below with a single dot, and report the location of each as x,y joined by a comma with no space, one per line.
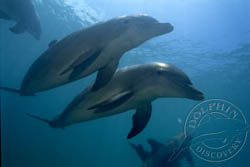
161,152
133,87
23,12
96,48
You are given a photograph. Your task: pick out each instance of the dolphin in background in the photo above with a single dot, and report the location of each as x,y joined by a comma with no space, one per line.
23,12
161,153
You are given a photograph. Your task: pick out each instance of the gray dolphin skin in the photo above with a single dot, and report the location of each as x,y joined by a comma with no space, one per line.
23,12
96,48
133,87
160,153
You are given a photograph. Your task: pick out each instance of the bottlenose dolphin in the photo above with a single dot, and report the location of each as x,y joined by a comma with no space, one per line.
23,12
96,48
161,152
133,87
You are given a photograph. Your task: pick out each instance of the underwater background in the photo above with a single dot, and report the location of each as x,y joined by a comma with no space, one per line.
210,42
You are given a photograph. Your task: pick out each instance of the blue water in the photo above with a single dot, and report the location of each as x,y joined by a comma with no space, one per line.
210,42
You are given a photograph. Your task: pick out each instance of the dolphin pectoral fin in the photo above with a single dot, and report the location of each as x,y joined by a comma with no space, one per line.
112,103
4,16
81,63
140,120
140,151
104,75
155,145
18,28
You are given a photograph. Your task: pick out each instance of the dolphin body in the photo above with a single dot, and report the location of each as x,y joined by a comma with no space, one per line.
133,87
161,153
23,12
96,48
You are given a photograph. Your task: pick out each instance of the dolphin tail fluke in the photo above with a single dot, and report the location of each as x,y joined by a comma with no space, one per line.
140,151
39,118
18,91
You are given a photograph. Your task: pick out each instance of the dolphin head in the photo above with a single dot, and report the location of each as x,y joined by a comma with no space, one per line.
143,27
173,82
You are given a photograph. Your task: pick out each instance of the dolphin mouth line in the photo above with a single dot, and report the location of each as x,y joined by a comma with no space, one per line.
169,27
194,93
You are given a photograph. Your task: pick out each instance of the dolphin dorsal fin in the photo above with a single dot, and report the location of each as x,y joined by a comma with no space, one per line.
155,145
140,151
52,43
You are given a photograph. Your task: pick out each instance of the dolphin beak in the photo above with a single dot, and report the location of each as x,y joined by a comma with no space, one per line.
164,28
194,93
169,27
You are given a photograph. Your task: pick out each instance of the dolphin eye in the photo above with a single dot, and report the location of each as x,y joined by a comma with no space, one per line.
160,72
